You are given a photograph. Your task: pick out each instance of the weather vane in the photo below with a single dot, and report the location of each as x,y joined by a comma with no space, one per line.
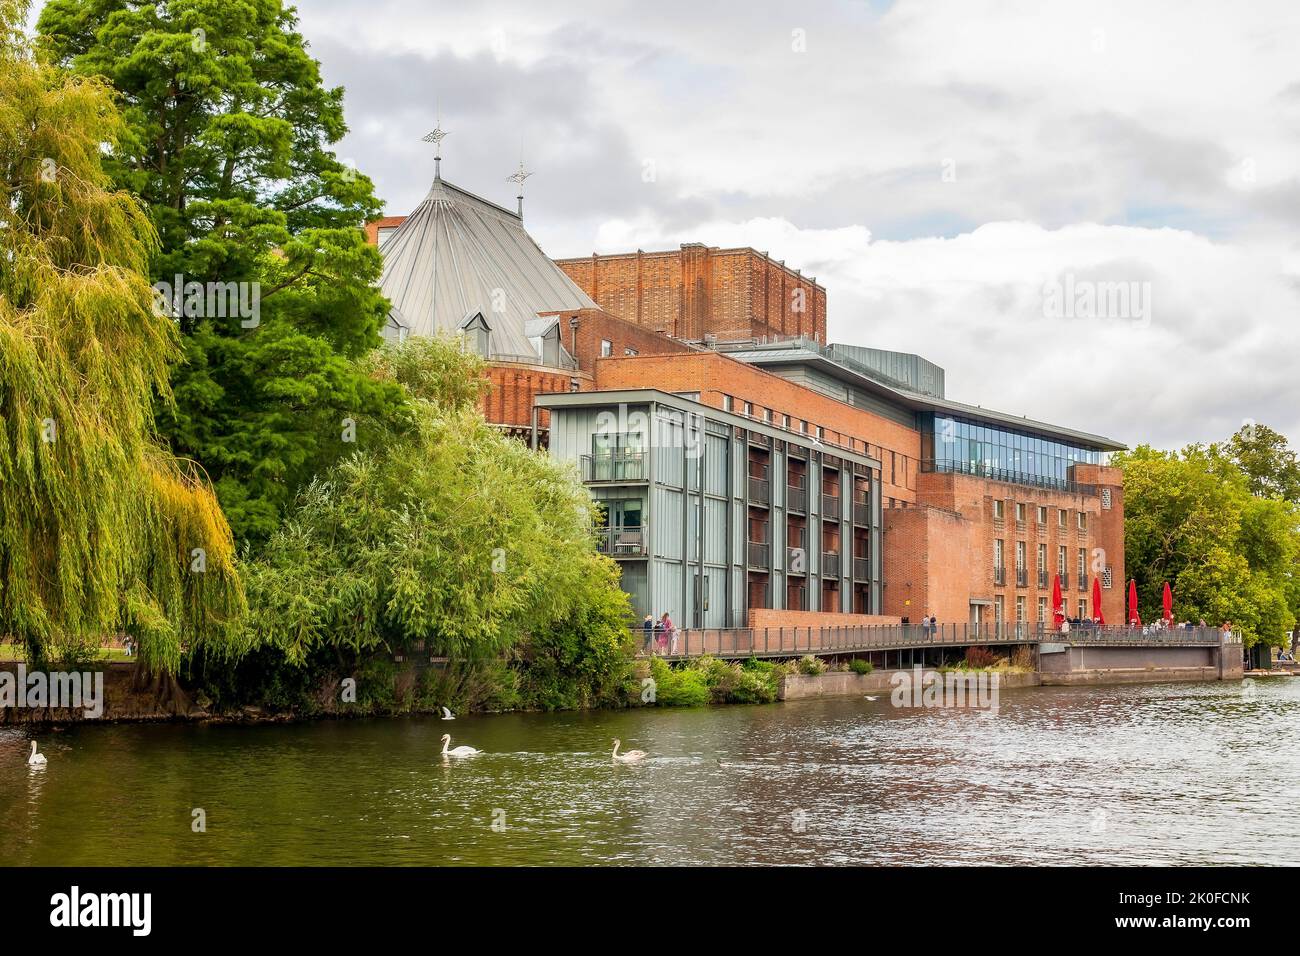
518,177
436,138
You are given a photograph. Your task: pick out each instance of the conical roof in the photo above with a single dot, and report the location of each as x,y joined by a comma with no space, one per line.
457,255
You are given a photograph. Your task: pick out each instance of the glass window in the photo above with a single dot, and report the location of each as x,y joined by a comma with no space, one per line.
606,348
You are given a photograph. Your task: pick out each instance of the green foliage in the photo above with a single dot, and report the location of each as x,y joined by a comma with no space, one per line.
679,687
1192,519
228,141
808,664
1271,468
98,525
706,680
861,666
452,538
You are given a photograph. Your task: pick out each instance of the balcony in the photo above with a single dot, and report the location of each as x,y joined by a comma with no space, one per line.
861,569
1042,579
615,465
831,506
797,498
830,564
999,576
760,491
861,514
1022,577
1065,580
625,542
796,561
758,555
1083,583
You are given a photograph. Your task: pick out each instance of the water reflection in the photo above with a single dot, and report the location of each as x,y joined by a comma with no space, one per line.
1176,773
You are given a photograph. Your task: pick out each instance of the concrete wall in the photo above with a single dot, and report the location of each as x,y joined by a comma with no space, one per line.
849,684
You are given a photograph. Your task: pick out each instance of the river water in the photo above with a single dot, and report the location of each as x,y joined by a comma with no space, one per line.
1144,774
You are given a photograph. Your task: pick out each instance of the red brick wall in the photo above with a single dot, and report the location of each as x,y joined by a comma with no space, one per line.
699,290
935,572
596,326
373,227
769,617
509,400
715,375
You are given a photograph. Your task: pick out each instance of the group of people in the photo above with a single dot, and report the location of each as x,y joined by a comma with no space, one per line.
1161,624
660,637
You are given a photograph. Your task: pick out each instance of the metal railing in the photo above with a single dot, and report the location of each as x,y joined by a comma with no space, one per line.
743,642
861,569
861,514
830,564
625,542
1065,580
797,498
759,491
830,506
1022,577
1000,576
1042,579
758,552
614,466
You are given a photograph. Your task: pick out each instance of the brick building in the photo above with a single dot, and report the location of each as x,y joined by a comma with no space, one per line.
834,483
704,294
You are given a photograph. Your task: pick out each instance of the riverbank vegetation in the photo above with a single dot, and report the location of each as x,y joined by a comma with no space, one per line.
1221,524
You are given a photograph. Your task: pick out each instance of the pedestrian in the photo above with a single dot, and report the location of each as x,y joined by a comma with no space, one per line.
669,636
648,626
1065,626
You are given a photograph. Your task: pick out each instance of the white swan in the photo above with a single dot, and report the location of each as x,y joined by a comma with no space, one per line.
447,715
461,751
869,697
632,756
36,760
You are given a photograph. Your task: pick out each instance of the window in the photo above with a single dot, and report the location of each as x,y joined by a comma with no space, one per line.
1042,514
1105,498
1020,512
998,559
1083,521
1061,519
606,348
1083,565
1083,609
999,613
747,409
1020,555
1106,579
893,469
1042,610
1042,560
1060,559
634,352
726,403
1020,611
999,508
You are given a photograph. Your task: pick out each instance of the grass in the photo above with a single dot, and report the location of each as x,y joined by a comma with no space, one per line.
11,652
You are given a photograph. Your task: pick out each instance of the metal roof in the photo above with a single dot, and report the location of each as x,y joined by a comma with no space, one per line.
458,254
919,402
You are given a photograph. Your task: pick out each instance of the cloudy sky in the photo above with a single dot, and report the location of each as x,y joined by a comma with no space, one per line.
940,167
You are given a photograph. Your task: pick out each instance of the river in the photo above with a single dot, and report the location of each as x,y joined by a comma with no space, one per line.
1140,774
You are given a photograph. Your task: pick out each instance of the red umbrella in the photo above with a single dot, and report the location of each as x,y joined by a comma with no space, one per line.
1096,601
1169,604
1133,614
1057,614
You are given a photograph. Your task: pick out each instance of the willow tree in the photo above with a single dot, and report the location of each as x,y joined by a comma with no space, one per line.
101,531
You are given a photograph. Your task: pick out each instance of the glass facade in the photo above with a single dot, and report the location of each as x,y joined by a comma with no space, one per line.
967,446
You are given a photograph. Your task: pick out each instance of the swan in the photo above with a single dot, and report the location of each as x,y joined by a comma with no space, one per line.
632,756
36,760
447,714
869,697
461,751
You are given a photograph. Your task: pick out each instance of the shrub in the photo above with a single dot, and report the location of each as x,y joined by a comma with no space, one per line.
980,657
687,687
859,666
811,665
